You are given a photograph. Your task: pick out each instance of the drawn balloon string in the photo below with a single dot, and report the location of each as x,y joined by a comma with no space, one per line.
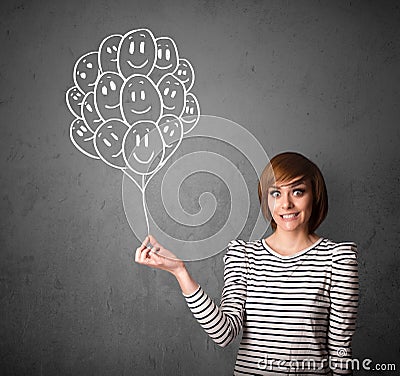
132,104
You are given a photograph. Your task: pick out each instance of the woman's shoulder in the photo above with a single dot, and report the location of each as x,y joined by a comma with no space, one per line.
342,250
244,245
238,249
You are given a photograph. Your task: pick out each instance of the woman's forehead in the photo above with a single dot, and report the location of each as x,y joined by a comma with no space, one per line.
290,183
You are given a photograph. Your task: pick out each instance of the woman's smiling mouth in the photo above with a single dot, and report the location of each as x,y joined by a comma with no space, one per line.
289,216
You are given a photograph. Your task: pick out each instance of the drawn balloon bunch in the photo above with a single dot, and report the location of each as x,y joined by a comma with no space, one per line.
132,103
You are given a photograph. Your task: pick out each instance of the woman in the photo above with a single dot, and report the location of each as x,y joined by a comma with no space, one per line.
294,294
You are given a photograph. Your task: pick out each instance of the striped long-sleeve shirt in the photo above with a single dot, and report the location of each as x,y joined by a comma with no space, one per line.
297,313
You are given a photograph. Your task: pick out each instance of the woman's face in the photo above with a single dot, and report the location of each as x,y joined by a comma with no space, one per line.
291,204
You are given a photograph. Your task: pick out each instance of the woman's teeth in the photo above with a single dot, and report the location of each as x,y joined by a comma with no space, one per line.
287,216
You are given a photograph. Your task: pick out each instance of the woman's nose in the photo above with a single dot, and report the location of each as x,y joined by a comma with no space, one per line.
286,202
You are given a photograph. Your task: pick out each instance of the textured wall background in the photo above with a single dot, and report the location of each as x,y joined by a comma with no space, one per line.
323,75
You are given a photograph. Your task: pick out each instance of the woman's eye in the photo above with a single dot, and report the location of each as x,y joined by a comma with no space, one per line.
298,192
274,193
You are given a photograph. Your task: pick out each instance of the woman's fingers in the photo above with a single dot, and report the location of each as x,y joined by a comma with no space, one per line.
152,240
144,255
156,249
151,253
141,252
138,252
146,241
150,257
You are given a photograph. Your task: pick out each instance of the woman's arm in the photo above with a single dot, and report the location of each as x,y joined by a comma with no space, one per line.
343,308
221,323
187,284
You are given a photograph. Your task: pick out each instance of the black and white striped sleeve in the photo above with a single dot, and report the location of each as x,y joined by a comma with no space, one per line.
224,323
343,307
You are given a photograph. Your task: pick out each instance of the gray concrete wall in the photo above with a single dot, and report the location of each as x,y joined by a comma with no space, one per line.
317,77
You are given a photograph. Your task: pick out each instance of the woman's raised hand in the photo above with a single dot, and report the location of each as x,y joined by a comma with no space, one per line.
157,256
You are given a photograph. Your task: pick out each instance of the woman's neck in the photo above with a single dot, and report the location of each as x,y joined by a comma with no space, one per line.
288,243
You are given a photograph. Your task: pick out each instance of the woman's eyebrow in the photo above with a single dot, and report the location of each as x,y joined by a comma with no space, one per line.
294,184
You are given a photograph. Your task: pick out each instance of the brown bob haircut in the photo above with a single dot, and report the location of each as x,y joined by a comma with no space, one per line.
285,167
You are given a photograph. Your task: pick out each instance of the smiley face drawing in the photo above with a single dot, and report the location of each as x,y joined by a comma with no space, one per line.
107,95
89,113
86,71
185,73
172,132
74,99
136,53
108,51
140,100
108,142
191,113
82,137
173,95
166,58
142,146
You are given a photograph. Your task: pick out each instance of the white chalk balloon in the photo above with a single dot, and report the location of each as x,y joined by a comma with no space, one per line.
173,95
82,137
140,100
89,112
74,98
166,58
136,53
143,147
185,73
108,142
191,113
172,132
86,71
107,95
108,51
